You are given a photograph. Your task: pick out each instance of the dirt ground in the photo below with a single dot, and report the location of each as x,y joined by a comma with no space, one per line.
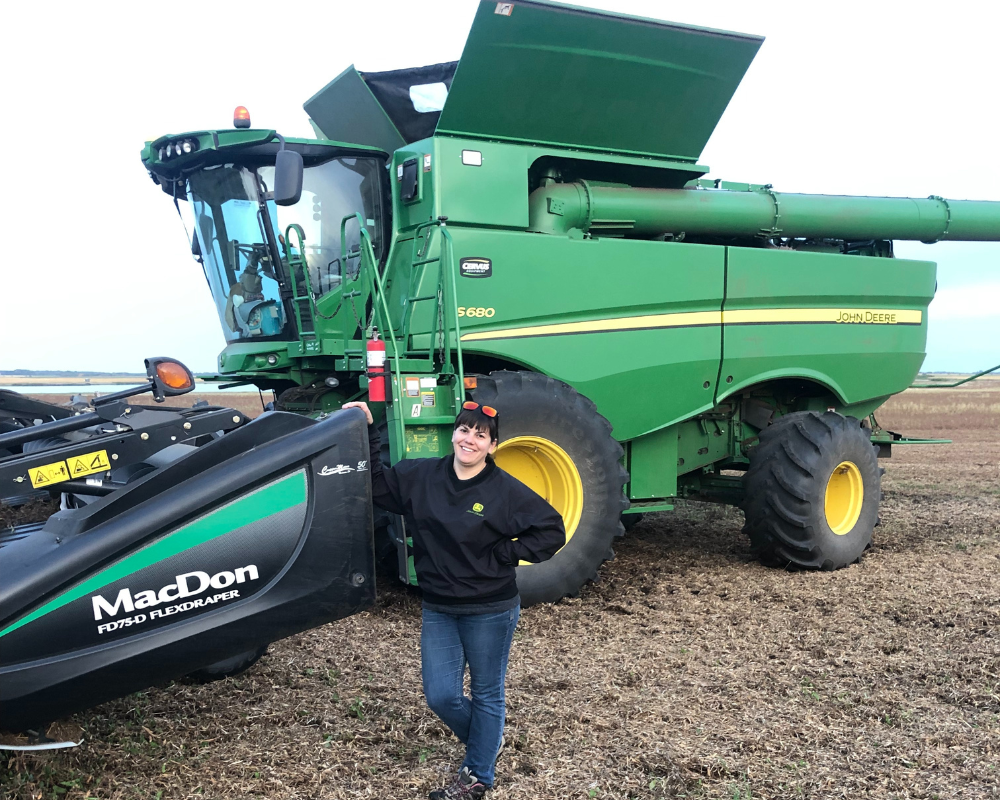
687,670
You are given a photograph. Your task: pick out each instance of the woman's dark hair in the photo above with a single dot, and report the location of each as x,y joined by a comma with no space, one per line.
475,418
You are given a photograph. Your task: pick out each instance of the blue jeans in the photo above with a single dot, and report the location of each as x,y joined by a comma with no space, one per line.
447,643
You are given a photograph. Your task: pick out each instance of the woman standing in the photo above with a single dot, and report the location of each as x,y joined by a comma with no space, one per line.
471,524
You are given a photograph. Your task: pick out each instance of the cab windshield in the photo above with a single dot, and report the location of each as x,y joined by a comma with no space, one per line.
240,238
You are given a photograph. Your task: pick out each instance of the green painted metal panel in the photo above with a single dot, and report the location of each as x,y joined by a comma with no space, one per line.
702,442
641,379
345,110
855,324
653,465
264,502
399,273
561,75
482,183
421,306
491,191
408,213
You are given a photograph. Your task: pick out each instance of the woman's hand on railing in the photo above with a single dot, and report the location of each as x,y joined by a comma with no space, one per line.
363,406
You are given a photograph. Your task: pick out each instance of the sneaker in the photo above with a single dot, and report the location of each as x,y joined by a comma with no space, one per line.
465,786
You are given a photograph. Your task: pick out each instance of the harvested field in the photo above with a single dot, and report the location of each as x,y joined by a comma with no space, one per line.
688,670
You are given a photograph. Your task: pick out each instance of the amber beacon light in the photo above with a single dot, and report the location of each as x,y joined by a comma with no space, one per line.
241,117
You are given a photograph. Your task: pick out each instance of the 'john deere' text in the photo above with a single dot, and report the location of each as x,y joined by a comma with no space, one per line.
868,317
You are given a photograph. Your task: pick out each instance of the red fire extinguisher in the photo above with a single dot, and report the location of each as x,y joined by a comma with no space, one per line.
376,368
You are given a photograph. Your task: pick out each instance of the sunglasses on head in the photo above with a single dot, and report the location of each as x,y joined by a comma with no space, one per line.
489,411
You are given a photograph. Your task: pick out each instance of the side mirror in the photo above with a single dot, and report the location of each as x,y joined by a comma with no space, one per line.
287,177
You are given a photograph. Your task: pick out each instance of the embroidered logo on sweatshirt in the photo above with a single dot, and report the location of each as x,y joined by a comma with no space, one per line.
476,509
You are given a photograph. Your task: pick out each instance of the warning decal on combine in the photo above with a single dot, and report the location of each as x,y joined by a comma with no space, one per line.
47,474
88,463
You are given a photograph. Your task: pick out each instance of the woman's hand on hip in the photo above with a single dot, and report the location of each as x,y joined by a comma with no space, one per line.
363,406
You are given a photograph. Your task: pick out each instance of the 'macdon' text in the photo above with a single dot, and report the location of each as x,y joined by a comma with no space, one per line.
187,585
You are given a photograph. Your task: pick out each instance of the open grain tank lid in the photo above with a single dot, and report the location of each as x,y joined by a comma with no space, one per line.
384,109
541,72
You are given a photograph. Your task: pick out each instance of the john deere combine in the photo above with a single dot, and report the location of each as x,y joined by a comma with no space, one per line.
529,227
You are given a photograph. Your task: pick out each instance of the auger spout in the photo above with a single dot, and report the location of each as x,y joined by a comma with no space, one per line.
759,211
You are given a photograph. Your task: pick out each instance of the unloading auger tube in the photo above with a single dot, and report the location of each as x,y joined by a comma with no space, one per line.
760,211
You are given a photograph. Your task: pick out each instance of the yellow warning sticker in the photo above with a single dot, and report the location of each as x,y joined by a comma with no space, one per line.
41,477
88,463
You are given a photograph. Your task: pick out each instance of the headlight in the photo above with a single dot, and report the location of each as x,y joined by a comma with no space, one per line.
272,359
178,148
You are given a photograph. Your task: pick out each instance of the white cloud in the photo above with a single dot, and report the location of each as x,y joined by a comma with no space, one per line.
975,302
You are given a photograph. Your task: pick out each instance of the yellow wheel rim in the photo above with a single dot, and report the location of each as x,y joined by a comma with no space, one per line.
548,470
845,494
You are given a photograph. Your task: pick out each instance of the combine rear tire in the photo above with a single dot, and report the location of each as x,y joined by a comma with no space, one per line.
553,440
812,491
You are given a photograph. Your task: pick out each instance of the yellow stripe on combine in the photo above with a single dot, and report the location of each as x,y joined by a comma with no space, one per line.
684,319
855,316
690,319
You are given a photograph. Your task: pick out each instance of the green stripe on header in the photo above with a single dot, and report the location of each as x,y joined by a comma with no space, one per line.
265,502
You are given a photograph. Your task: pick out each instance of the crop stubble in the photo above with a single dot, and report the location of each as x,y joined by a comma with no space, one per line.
688,670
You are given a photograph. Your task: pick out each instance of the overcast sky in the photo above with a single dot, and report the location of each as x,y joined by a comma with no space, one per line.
872,98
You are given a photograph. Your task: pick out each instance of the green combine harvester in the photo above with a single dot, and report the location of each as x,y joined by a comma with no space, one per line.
528,227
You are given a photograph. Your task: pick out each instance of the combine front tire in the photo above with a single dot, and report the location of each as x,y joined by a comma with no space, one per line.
812,491
554,441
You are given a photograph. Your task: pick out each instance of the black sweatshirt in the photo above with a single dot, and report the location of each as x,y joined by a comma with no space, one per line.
464,532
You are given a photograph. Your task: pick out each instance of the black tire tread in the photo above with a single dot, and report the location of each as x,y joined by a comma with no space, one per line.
785,519
602,515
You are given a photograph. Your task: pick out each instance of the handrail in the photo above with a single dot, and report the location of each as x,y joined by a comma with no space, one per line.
345,258
957,383
300,260
460,377
446,302
447,290
368,265
418,259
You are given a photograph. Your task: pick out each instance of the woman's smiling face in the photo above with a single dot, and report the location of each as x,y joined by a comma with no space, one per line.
472,445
